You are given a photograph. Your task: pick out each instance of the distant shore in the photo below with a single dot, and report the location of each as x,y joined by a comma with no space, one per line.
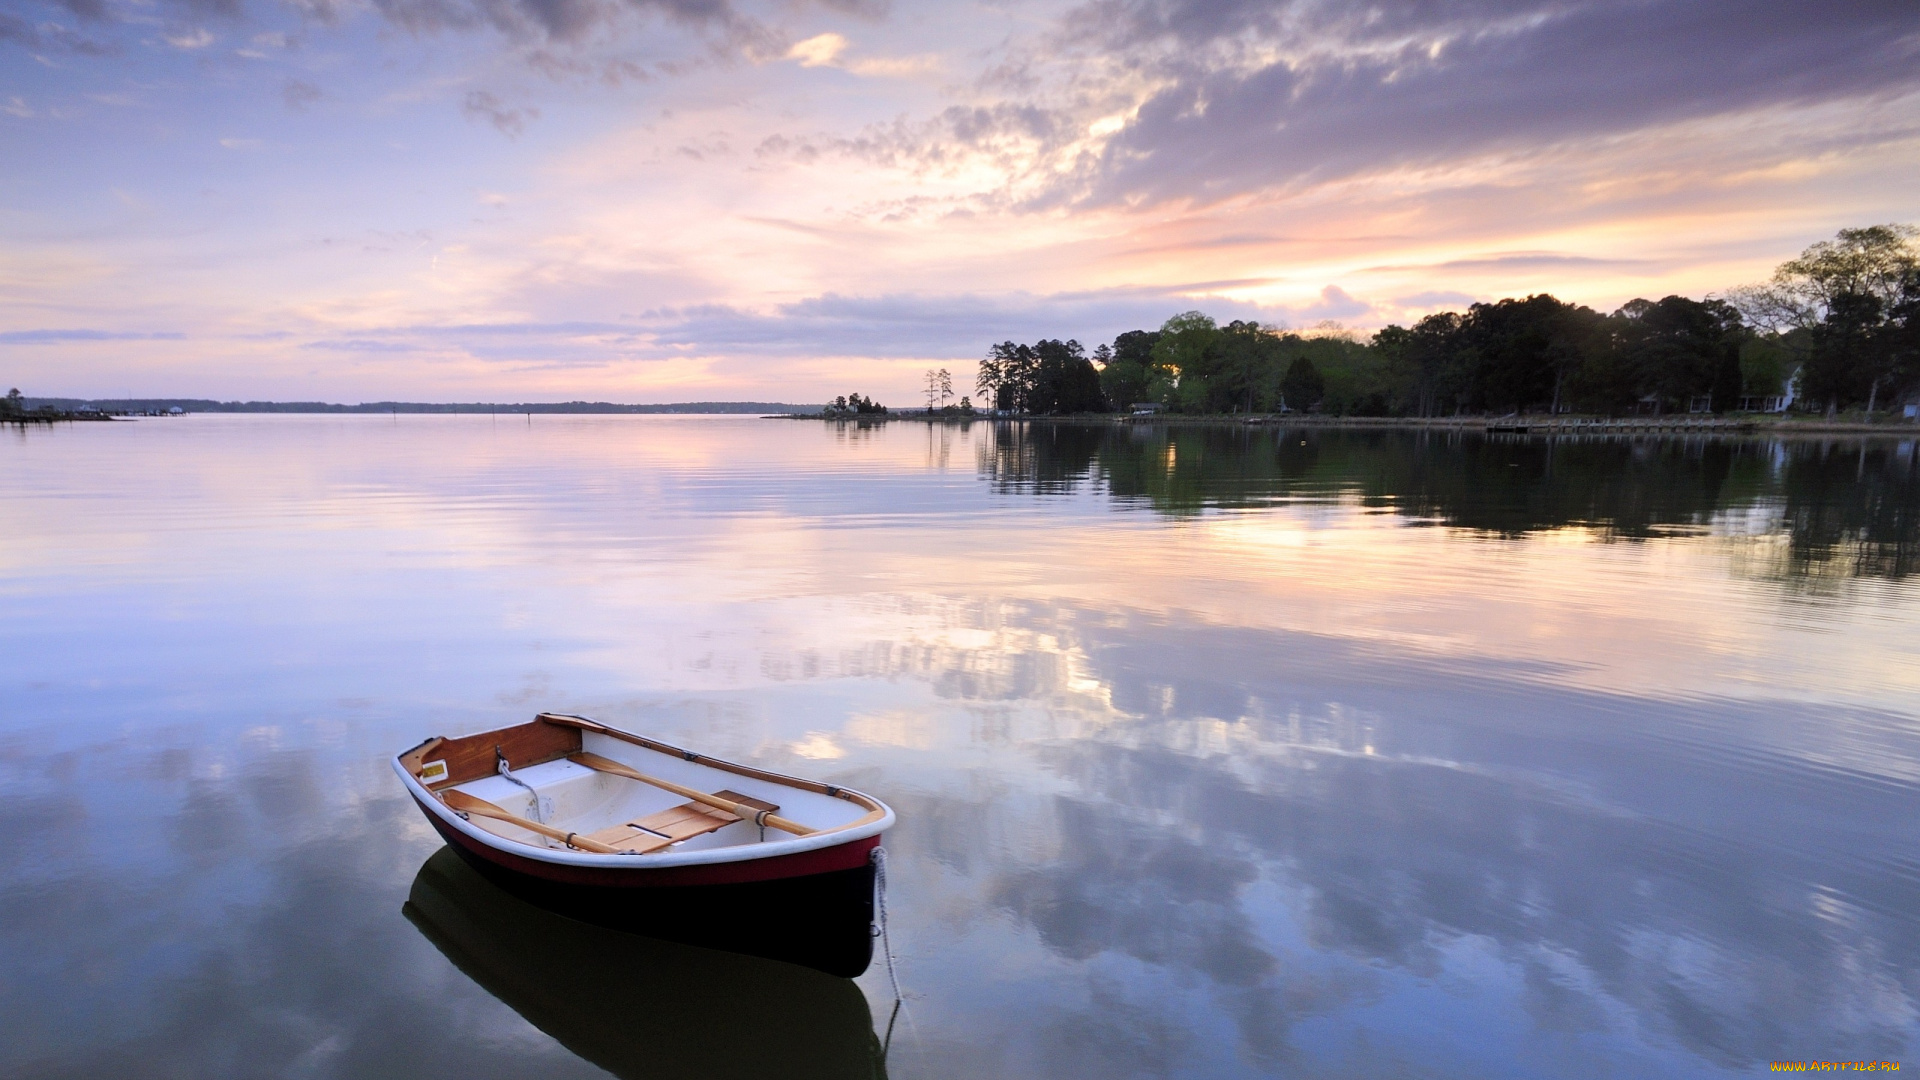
159,406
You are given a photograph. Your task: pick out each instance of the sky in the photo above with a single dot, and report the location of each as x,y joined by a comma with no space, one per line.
675,200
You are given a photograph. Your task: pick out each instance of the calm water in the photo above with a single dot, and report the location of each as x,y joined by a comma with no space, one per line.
1217,754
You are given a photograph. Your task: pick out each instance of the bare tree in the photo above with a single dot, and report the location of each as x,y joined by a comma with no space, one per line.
946,387
987,380
1871,261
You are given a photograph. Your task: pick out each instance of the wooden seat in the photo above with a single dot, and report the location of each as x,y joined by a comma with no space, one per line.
668,827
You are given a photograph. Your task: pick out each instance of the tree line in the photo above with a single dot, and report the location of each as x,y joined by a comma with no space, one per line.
1836,329
853,405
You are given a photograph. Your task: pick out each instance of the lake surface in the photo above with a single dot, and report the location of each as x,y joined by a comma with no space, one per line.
1217,753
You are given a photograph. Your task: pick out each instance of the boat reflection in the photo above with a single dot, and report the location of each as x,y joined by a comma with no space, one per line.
638,1007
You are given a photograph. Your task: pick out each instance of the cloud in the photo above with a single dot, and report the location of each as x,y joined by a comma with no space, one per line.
1256,96
962,326
224,9
48,337
298,94
885,67
818,51
533,329
15,28
827,50
1521,260
948,326
576,21
562,66
563,20
951,327
1078,177
325,12
361,345
574,24
1011,138
873,10
189,39
49,37
482,105
1433,298
1335,303
86,10
1133,103
956,327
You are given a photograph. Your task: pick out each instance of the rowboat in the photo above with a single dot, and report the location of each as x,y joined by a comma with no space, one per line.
630,833
641,1008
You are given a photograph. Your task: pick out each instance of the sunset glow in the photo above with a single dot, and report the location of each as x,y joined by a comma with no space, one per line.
666,201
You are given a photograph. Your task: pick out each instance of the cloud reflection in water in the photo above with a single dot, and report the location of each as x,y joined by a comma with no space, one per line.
1216,754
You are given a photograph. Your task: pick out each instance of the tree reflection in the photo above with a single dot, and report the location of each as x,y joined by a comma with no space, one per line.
1847,509
1852,510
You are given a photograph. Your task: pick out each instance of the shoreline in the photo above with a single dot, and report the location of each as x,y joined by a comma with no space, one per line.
1508,425
23,419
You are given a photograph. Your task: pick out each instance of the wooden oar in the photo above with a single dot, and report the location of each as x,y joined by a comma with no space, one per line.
467,804
608,765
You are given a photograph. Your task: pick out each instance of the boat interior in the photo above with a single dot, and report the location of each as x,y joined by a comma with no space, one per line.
569,783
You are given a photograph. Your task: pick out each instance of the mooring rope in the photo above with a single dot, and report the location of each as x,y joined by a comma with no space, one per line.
542,806
879,860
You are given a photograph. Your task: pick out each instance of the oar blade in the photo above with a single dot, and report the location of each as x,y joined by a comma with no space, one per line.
471,804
